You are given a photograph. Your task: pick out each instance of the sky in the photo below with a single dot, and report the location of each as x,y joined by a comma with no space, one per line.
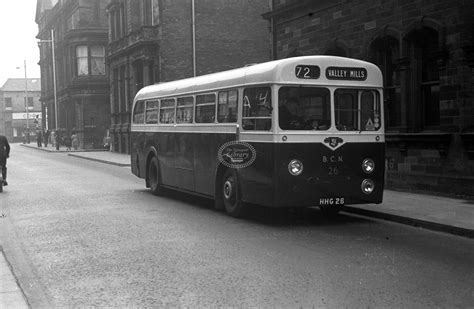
18,41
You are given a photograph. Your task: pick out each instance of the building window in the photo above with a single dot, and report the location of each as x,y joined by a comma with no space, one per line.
8,103
81,58
122,92
150,12
31,104
423,46
147,12
138,71
384,52
90,60
117,23
98,60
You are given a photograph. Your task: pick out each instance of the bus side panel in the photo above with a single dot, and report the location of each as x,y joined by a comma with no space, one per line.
328,174
166,155
257,179
184,160
136,154
206,147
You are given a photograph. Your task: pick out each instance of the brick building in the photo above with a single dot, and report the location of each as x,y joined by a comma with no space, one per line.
426,51
152,41
78,92
13,113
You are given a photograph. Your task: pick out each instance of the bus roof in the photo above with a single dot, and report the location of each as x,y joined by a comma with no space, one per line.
277,71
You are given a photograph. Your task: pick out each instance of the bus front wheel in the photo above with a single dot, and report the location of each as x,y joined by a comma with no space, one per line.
154,179
231,195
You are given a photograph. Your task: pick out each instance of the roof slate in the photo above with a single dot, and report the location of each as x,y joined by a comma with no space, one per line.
18,84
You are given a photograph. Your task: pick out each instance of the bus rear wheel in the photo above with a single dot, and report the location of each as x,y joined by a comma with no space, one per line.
154,178
231,195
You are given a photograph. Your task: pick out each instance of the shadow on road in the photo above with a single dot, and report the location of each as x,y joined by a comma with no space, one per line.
284,217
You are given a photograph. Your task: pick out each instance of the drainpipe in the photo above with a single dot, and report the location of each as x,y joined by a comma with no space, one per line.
194,36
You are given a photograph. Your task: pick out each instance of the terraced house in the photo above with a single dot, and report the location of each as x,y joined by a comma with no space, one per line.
75,89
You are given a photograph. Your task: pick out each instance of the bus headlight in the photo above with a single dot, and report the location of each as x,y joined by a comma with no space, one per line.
367,186
295,167
368,165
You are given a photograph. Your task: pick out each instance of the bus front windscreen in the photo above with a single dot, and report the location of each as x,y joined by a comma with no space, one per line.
357,110
304,108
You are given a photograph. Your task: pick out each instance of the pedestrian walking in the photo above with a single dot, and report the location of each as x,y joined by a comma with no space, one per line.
58,138
39,138
52,138
4,154
74,140
67,142
46,137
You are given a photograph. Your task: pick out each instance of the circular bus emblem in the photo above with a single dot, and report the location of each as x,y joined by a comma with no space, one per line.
237,154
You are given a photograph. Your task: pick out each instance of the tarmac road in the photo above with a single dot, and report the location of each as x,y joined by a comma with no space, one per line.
83,233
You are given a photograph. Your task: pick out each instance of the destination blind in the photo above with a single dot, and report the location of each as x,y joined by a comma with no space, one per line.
344,73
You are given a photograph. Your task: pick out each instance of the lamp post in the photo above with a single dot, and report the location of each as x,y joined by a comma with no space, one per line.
56,120
27,134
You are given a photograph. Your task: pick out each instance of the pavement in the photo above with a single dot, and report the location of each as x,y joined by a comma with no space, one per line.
444,214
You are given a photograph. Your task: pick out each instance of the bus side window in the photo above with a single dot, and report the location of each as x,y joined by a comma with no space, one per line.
139,112
227,107
206,108
151,116
167,111
184,110
257,109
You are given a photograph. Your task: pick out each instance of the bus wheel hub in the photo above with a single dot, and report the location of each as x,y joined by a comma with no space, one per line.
228,189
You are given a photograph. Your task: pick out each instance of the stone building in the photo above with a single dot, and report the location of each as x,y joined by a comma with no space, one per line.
16,120
425,50
152,41
75,82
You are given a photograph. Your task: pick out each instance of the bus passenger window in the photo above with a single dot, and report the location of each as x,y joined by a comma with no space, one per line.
206,108
184,110
257,109
167,112
152,112
139,112
227,108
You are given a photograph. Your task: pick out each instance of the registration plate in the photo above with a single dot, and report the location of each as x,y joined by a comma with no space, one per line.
331,201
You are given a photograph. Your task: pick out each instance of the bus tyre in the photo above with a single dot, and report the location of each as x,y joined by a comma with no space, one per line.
330,211
154,179
231,194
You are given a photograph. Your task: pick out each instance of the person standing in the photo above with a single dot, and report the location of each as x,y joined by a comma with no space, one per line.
4,154
67,141
46,137
58,138
39,138
74,140
53,138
